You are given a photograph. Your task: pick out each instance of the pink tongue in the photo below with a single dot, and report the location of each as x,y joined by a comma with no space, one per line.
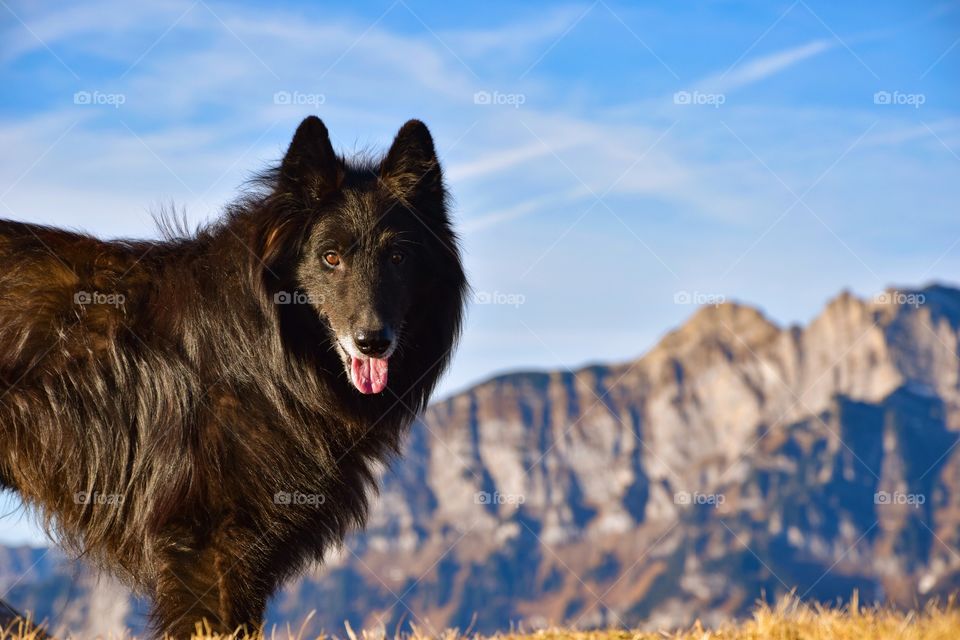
369,374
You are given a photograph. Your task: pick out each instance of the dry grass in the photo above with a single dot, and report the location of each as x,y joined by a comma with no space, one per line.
789,620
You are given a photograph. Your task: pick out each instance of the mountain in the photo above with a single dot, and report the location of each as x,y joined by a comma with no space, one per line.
736,460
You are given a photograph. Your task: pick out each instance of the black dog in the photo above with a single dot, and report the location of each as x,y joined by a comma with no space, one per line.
202,415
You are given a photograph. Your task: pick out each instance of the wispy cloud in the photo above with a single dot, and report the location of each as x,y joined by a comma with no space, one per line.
505,159
514,36
522,209
766,66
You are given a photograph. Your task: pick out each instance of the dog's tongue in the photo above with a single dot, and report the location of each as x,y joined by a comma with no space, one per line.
369,374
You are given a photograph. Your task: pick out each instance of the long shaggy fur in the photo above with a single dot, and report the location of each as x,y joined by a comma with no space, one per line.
155,429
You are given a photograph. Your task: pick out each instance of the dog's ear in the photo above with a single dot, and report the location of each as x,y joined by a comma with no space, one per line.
310,166
410,169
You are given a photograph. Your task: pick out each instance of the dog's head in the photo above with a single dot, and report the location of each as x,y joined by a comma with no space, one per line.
374,248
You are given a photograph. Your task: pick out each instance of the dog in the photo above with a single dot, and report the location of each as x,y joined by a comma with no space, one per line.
204,415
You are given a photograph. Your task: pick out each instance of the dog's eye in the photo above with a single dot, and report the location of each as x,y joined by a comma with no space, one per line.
397,257
332,258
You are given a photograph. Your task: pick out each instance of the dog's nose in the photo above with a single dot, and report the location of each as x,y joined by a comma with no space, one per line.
373,343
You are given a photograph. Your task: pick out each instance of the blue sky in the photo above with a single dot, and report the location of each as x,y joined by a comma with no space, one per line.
604,156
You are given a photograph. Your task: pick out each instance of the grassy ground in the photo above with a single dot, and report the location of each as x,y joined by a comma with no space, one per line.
789,620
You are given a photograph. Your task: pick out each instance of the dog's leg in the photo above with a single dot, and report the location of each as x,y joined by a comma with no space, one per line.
186,594
220,584
242,580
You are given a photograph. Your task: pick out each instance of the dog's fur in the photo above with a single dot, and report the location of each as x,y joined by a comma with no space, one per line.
175,424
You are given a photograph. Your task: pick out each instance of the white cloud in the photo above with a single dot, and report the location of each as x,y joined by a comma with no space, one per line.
763,67
513,37
522,209
504,159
